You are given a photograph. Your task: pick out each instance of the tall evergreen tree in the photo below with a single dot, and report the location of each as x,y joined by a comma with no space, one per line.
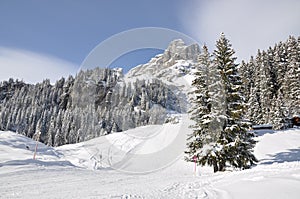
220,137
202,141
236,143
291,82
279,113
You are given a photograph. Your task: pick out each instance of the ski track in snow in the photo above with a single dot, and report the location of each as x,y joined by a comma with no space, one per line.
68,171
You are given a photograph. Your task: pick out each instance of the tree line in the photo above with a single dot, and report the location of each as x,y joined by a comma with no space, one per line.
93,103
228,98
272,84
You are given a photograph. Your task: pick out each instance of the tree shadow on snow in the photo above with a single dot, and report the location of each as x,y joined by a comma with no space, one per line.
291,155
36,162
263,132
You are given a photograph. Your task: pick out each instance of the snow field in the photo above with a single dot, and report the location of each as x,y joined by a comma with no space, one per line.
77,171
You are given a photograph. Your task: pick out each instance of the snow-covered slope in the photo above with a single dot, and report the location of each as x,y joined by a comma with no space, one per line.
87,170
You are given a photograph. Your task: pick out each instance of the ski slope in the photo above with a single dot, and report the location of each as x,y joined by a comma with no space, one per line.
146,162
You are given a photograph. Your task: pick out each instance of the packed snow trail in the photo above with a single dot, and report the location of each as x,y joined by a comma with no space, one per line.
69,171
154,152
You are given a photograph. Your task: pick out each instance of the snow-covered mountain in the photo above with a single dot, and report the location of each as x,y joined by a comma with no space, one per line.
173,67
100,101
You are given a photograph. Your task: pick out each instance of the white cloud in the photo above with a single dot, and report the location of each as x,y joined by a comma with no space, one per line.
32,67
249,24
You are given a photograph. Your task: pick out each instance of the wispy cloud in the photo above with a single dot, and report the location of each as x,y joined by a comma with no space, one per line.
249,24
32,67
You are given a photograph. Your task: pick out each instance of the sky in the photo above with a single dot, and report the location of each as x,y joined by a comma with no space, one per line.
51,38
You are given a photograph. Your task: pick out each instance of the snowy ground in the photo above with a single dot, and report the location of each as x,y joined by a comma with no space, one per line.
104,168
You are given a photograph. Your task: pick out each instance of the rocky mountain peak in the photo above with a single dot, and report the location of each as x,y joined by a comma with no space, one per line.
177,49
177,54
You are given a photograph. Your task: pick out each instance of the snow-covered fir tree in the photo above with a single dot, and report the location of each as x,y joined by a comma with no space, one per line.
235,142
200,112
291,83
207,112
220,137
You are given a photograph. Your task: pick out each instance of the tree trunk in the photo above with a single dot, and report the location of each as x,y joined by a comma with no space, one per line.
222,166
215,165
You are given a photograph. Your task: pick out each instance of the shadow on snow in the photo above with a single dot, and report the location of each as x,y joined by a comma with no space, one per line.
291,155
36,162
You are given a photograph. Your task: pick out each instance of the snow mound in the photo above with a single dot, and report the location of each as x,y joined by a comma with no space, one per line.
18,150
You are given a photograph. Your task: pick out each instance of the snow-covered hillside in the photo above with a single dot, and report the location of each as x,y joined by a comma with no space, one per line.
93,169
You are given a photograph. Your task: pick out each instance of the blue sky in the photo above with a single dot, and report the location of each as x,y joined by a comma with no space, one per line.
55,36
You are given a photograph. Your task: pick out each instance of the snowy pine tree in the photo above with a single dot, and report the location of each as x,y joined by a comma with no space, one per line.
200,112
207,113
291,86
230,143
279,113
